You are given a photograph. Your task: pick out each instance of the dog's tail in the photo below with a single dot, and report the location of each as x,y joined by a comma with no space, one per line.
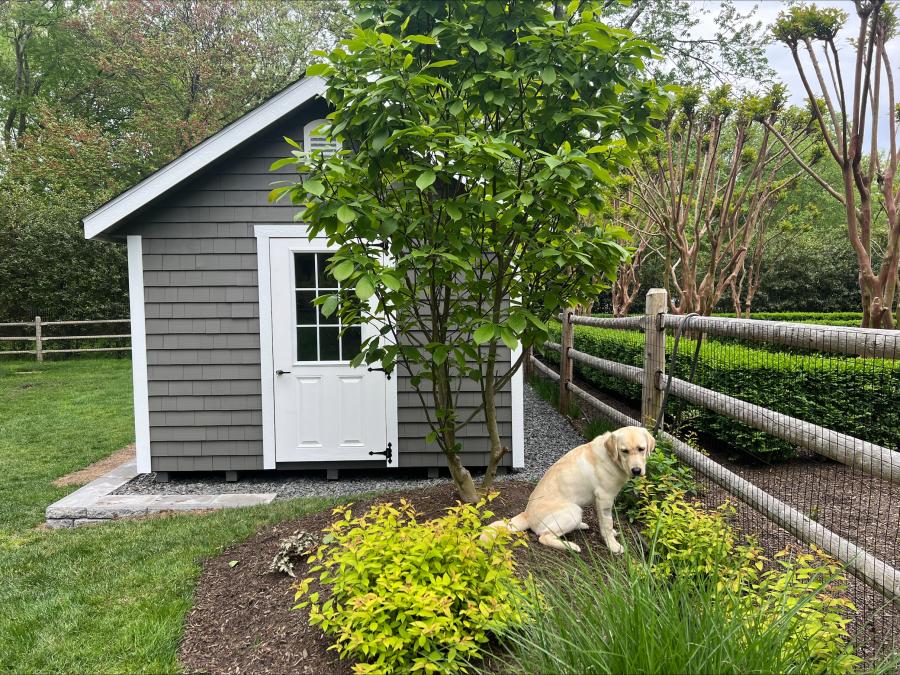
517,524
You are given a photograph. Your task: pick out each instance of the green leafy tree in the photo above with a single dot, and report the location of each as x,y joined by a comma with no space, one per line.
95,95
478,136
848,108
708,186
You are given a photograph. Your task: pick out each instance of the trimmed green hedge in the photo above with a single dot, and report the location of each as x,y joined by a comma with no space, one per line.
852,395
853,319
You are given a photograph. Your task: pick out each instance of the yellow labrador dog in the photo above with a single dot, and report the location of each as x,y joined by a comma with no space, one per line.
594,472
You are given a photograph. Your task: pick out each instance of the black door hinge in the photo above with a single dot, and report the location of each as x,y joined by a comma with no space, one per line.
388,452
379,370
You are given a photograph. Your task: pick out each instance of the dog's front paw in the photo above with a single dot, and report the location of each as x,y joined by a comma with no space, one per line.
614,547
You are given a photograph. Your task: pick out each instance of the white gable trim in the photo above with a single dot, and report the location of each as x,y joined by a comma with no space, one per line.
139,353
201,156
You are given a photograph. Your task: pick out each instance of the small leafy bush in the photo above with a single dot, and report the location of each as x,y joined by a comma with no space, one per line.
666,476
690,540
801,592
779,380
405,595
298,545
805,588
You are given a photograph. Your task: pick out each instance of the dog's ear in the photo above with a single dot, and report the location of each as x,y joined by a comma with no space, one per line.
651,442
610,444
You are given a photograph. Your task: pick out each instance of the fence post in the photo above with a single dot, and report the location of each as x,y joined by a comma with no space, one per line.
38,346
566,341
654,355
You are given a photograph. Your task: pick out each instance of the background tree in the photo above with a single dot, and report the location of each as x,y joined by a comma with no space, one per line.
734,53
849,123
486,131
709,185
96,95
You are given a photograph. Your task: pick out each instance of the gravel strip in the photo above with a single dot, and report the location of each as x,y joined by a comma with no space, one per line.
548,436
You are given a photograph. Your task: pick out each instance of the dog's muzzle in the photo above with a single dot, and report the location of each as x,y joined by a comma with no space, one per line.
636,471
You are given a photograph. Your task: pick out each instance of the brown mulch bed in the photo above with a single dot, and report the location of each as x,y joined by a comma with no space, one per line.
97,469
242,619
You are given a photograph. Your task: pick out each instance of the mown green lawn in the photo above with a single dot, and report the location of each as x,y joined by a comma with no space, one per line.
102,599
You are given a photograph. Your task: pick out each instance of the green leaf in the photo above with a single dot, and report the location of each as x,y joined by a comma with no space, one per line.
330,304
343,270
425,179
479,46
318,69
278,193
345,214
548,75
456,107
440,354
364,288
484,333
314,187
407,61
233,563
453,211
278,163
391,280
517,322
421,39
508,337
442,64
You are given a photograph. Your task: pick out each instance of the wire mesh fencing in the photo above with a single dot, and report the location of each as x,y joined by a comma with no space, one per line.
800,422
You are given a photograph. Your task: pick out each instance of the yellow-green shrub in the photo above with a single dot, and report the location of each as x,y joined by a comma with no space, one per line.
688,539
806,586
405,595
800,591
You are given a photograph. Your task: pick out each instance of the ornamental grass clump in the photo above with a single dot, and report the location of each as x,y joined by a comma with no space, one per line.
404,594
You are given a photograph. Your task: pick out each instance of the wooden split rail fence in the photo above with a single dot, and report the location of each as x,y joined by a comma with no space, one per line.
39,338
868,457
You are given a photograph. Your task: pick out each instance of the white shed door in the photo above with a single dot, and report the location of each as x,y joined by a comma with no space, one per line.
325,410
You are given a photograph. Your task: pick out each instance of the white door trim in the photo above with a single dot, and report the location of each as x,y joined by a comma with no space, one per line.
267,359
139,353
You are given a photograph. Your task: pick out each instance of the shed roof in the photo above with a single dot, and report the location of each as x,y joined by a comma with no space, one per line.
112,213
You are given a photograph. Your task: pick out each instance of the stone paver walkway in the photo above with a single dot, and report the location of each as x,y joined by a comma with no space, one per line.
95,503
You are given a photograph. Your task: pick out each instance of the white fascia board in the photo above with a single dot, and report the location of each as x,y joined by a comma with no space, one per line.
201,156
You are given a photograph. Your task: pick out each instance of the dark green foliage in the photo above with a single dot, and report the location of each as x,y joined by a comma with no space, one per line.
597,427
852,319
854,396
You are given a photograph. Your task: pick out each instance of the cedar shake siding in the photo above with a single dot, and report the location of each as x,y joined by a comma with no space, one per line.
202,320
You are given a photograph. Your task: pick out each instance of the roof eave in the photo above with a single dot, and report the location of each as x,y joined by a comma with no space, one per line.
98,224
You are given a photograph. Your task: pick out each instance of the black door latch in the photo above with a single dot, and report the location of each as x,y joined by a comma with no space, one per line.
388,452
379,370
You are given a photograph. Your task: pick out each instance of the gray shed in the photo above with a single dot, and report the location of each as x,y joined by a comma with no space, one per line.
234,370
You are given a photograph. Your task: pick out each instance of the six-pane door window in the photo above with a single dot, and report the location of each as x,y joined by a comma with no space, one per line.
318,336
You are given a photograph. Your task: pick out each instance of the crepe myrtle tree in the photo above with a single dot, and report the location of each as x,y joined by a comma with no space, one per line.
477,137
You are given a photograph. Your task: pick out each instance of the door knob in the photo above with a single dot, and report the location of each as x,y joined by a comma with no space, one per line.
282,372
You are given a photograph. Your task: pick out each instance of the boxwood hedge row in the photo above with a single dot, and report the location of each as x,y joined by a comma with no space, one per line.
852,319
852,395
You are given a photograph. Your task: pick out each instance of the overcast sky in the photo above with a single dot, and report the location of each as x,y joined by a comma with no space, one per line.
782,62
